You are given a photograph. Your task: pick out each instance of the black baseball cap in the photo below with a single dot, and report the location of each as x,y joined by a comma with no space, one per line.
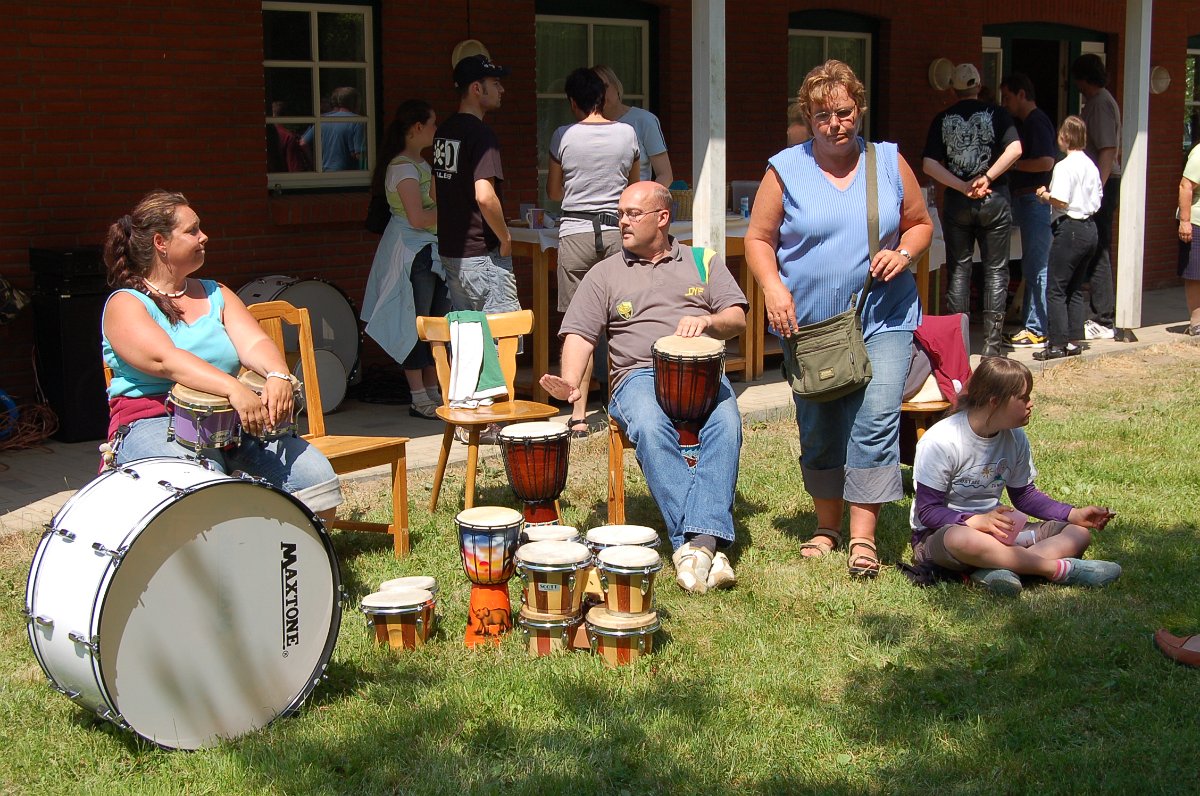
476,67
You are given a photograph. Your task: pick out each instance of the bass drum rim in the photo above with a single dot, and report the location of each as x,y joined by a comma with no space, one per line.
103,587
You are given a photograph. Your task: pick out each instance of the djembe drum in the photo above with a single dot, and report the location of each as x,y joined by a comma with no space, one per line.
201,420
488,541
535,458
287,428
687,376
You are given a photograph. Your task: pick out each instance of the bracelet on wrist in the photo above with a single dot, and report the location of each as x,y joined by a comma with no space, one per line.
275,374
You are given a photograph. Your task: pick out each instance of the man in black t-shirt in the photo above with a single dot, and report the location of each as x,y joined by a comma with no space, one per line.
473,238
969,148
1039,146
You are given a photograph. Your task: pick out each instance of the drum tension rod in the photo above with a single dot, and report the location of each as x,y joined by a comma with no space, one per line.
40,619
129,471
65,534
92,644
117,554
167,485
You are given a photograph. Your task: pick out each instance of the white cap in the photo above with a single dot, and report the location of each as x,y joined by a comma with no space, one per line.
965,76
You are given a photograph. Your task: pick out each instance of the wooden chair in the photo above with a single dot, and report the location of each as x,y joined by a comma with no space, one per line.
347,454
506,327
618,443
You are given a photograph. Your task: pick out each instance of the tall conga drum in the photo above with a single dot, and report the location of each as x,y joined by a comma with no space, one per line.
535,459
487,538
687,376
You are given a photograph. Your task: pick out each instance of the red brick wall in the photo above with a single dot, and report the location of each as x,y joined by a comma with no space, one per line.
108,100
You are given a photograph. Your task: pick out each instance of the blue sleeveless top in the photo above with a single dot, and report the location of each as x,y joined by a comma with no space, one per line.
823,250
206,338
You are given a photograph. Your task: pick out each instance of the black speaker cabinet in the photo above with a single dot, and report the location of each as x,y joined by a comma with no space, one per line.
70,370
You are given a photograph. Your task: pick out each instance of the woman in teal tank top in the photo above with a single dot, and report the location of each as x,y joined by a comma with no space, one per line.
162,326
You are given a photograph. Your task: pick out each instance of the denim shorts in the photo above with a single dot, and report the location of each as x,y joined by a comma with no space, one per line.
850,447
290,463
484,283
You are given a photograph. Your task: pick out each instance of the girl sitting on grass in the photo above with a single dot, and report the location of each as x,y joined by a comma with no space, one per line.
963,465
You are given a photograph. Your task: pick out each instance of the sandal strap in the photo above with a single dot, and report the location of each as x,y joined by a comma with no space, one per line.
827,533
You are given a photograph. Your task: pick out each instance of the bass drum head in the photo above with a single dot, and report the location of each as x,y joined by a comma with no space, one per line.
330,313
222,615
331,378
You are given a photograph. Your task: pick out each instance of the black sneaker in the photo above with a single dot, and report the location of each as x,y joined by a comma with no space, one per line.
1057,352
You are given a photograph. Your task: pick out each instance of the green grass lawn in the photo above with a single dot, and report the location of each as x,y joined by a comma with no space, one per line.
798,680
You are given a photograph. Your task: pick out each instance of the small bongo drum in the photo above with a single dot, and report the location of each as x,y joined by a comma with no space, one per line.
610,536
549,533
201,420
402,618
627,574
425,582
687,377
487,538
535,458
621,639
548,634
553,574
286,428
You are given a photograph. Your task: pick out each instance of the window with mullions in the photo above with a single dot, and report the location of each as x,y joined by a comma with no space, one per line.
567,43
320,97
1191,97
816,36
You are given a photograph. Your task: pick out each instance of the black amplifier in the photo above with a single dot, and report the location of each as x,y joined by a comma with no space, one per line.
68,272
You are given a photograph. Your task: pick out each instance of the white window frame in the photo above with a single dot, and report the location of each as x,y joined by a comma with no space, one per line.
826,35
334,179
639,99
1190,104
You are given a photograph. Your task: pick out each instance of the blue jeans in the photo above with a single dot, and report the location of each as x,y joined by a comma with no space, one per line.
850,448
289,463
482,283
692,502
1033,218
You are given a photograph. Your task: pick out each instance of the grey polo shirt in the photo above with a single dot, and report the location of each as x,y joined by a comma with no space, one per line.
636,302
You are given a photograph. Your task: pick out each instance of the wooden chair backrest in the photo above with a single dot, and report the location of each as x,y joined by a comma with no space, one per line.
506,327
271,315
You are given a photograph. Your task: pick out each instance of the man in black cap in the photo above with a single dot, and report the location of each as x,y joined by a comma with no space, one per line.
473,239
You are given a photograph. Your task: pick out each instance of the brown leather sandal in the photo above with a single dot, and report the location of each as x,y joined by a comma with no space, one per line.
834,537
862,565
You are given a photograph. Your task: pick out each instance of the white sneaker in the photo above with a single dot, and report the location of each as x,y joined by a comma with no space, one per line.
692,566
720,575
1097,331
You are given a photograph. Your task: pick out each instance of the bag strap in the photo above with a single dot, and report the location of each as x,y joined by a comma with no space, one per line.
872,225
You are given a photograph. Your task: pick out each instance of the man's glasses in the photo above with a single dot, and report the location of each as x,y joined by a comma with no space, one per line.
843,114
635,216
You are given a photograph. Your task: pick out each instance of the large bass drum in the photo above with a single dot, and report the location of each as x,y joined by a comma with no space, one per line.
183,604
334,326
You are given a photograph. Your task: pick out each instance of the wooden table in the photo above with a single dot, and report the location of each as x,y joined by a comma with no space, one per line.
541,246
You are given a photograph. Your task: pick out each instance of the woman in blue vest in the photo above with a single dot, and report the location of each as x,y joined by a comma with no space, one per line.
163,326
807,245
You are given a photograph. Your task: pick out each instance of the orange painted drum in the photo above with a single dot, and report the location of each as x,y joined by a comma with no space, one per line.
627,575
402,618
620,640
610,536
489,614
554,575
549,634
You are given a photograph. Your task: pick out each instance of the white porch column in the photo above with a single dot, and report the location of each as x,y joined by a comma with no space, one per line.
1135,109
708,124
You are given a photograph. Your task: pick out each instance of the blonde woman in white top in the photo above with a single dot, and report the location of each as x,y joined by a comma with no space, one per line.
1074,195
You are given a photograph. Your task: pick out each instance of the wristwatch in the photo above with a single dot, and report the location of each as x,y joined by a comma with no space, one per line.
907,256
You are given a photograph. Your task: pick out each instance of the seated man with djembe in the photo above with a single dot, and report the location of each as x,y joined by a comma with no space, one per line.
651,289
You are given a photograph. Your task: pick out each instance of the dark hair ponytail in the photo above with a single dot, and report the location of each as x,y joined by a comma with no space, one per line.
409,113
129,246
